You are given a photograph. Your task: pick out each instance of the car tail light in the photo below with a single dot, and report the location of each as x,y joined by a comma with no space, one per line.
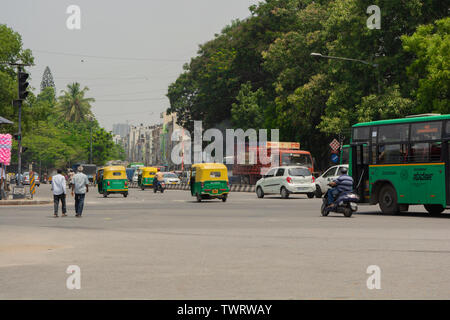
289,179
313,179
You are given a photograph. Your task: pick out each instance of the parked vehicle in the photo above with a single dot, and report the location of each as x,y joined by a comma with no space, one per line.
285,181
209,181
136,177
171,178
112,179
328,176
146,177
26,179
130,173
345,203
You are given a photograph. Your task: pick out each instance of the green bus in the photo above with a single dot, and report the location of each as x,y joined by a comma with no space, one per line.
402,162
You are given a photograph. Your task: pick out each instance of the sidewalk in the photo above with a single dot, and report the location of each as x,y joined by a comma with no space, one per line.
41,197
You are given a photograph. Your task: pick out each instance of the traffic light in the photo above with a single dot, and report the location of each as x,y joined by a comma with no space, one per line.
23,85
17,136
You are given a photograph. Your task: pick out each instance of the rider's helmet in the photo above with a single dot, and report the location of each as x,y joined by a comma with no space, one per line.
343,170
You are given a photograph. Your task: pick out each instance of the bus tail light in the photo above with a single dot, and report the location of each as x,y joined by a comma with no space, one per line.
289,180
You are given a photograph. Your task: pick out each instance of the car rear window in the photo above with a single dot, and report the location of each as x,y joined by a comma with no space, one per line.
299,172
170,175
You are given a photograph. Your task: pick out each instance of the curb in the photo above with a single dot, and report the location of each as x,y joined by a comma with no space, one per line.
183,186
23,202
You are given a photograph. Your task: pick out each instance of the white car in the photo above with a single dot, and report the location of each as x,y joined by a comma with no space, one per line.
135,176
171,178
330,175
286,180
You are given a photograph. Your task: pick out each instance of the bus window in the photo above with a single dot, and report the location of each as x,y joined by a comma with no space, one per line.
392,153
393,133
426,131
425,152
361,133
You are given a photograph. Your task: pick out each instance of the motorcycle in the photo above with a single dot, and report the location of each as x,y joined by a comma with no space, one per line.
345,203
159,187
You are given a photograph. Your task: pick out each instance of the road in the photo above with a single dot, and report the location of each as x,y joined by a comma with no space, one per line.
167,246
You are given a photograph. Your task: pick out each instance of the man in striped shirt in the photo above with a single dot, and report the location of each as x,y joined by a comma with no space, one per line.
342,184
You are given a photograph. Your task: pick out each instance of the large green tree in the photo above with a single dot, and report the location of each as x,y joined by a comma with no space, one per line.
73,105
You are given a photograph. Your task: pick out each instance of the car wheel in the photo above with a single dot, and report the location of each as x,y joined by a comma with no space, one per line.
434,209
388,200
310,195
259,192
284,193
318,193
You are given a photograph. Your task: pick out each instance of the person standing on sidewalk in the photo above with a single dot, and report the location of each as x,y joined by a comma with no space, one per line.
59,192
80,185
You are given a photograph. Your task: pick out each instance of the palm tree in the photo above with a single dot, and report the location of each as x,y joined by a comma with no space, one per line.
72,105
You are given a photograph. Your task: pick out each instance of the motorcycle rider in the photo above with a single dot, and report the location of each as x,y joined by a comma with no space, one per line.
342,184
159,177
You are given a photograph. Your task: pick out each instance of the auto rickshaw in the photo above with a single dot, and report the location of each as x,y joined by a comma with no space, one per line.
112,179
209,181
146,176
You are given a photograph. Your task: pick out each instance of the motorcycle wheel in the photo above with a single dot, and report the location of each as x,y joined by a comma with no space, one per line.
323,209
348,212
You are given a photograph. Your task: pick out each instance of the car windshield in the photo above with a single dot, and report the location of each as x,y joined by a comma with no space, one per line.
170,175
296,159
296,172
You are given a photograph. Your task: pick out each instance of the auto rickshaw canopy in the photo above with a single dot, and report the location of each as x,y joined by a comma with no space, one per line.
210,172
148,172
114,172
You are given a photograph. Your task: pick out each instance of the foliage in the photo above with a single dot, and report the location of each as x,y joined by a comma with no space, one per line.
47,79
73,105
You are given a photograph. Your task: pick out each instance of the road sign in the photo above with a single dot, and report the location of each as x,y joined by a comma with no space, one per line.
335,145
334,158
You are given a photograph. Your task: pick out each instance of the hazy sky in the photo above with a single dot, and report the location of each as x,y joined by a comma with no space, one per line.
152,38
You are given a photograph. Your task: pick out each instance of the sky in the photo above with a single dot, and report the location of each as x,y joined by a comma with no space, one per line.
126,52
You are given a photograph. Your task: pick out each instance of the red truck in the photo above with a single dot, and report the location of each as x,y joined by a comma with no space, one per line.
289,155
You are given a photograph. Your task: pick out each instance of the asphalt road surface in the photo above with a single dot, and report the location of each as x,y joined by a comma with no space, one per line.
168,246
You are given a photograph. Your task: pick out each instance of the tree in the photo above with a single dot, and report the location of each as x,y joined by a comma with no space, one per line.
47,79
72,105
430,69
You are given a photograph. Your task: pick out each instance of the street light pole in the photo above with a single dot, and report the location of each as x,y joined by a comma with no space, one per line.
375,65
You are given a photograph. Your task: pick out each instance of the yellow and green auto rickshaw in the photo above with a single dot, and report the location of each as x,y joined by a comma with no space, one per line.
146,176
112,179
209,181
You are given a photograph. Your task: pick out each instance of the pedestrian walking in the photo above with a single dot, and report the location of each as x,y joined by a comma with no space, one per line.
2,182
71,174
59,192
80,185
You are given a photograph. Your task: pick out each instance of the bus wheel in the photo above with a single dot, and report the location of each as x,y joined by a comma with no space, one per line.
318,192
434,208
388,200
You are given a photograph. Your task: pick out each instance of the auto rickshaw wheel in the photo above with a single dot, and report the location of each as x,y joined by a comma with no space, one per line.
105,194
199,198
224,198
142,188
125,194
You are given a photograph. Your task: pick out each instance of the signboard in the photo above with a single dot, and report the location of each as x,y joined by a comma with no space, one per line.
334,158
283,145
335,145
5,148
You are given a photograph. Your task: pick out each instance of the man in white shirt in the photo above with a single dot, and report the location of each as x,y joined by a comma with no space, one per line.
80,185
59,192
